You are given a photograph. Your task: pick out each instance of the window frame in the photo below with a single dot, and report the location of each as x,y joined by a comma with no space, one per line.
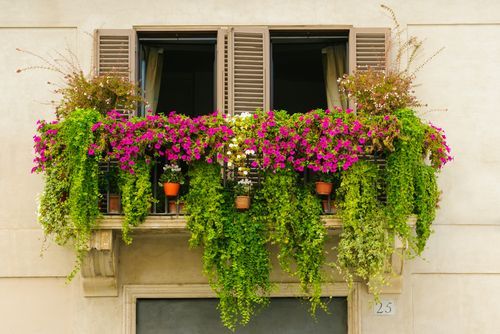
133,292
300,30
219,75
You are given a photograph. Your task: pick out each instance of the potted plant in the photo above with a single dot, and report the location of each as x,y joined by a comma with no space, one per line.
324,183
171,179
242,191
108,185
328,206
176,207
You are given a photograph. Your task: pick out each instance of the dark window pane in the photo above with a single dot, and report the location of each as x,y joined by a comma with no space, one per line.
298,79
283,316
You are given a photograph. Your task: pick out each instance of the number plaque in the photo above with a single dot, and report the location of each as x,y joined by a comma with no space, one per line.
385,307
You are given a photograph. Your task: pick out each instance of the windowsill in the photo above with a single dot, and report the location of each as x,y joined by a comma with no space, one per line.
177,223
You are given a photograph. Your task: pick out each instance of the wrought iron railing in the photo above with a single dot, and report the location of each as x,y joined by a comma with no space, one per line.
110,202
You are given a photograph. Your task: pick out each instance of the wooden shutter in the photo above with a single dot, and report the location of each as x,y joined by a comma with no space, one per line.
368,47
243,75
224,91
115,52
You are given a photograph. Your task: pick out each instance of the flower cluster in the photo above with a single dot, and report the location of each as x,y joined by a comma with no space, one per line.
322,141
102,93
436,146
46,145
378,92
243,187
172,173
174,137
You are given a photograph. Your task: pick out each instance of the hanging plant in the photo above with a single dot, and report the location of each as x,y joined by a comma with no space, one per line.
235,257
366,241
69,204
136,197
411,184
292,214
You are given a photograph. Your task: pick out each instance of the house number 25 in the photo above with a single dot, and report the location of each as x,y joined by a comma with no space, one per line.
385,307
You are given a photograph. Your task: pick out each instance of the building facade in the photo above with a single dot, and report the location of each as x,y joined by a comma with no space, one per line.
452,288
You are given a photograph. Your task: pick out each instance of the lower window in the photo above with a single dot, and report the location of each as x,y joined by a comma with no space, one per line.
283,315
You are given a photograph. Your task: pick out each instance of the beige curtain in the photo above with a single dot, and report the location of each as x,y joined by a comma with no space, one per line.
154,68
334,58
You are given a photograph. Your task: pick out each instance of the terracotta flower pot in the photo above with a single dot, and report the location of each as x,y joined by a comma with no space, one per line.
114,203
181,207
171,189
242,202
324,188
173,208
328,207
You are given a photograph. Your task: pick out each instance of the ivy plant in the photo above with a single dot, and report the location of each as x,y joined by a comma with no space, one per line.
136,197
411,184
69,204
292,214
235,257
366,241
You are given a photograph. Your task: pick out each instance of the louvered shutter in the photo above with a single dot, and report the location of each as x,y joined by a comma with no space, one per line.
246,64
115,52
224,91
368,48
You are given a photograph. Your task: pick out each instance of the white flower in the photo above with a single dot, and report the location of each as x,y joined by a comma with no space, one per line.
229,164
173,167
245,172
238,157
245,182
249,152
245,115
234,140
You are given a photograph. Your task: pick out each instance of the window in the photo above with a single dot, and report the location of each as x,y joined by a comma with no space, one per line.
283,315
177,72
229,68
305,66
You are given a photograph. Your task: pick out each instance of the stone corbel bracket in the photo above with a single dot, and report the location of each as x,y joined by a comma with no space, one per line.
100,266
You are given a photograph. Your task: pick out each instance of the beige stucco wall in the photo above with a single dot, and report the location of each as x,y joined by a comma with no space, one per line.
454,288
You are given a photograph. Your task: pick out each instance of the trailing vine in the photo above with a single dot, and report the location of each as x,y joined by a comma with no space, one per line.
426,200
401,167
69,204
411,184
136,197
366,241
292,213
235,257
53,207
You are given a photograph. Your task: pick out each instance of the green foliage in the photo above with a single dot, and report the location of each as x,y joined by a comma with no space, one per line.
69,204
102,93
426,199
401,166
85,91
53,208
235,257
292,213
136,197
379,93
366,242
411,185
